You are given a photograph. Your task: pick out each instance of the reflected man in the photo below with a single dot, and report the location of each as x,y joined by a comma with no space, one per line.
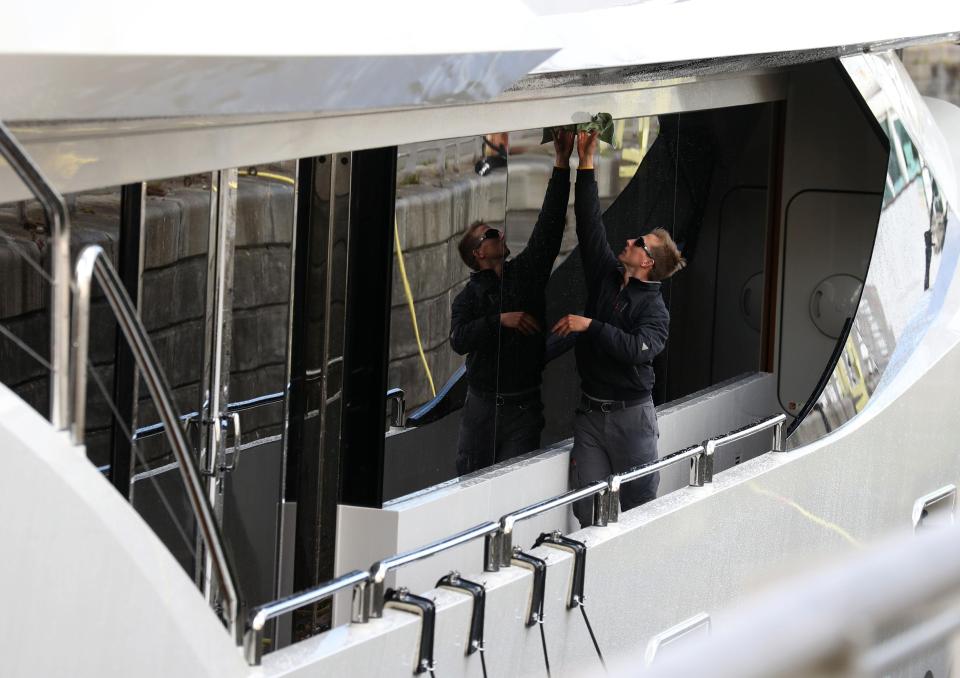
497,321
625,325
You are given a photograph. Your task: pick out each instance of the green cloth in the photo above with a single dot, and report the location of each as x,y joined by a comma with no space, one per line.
601,122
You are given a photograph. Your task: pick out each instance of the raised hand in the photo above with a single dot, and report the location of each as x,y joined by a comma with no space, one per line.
571,323
586,147
563,146
521,321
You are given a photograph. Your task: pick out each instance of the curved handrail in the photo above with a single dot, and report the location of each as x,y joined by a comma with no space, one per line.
775,422
92,263
259,616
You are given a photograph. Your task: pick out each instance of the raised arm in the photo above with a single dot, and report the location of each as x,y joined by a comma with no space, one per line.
544,243
598,258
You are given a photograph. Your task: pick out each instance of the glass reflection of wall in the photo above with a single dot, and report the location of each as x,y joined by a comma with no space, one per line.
24,294
261,295
175,243
258,370
24,315
442,188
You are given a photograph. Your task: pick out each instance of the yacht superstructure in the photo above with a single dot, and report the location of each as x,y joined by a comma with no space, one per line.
228,389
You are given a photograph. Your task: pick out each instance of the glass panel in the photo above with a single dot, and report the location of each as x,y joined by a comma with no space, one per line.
24,310
702,177
910,154
175,244
444,189
173,297
895,179
258,371
313,438
24,315
261,296
541,235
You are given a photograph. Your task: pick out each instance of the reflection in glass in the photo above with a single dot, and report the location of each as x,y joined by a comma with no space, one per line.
701,176
175,243
499,322
261,295
258,371
442,188
904,285
25,320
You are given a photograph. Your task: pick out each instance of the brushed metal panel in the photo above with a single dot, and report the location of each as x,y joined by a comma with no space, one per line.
84,155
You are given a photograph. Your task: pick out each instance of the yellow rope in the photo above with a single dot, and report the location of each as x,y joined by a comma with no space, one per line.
812,517
413,313
267,175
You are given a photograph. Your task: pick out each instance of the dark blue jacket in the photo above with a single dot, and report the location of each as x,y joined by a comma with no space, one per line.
501,360
630,323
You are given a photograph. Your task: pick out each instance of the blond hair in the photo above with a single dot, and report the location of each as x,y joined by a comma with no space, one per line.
666,256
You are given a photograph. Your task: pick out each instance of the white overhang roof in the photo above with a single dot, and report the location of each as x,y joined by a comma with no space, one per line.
104,59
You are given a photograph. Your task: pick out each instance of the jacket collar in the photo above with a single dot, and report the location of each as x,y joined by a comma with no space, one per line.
637,285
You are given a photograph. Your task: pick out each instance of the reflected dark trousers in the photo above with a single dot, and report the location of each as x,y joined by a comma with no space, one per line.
605,443
491,432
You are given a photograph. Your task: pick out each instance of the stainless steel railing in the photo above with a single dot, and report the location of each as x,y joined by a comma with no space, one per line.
499,545
368,597
701,456
258,618
91,264
368,587
694,453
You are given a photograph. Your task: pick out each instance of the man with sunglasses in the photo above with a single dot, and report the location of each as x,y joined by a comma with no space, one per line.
625,324
497,321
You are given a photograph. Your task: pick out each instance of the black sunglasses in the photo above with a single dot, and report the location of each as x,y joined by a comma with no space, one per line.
638,242
489,233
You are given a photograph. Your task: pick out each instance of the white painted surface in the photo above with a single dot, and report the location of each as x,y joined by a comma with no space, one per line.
87,588
946,118
697,549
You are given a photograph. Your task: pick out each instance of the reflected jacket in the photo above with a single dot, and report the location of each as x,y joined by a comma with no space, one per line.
630,323
499,359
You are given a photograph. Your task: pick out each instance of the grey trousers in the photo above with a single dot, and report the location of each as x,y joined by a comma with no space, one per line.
604,444
491,433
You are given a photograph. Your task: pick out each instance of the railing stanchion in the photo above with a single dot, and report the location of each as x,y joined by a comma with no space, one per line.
613,499
701,468
600,508
361,603
778,441
491,552
506,544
